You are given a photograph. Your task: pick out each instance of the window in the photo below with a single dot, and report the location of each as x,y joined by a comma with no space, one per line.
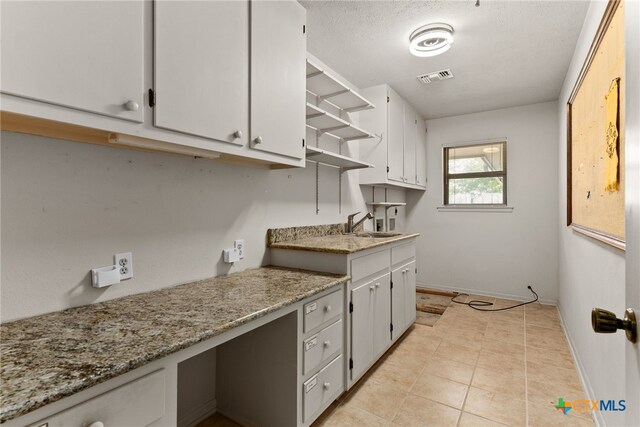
476,174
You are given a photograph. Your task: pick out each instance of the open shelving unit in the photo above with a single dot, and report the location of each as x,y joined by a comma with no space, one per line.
386,204
328,88
325,122
345,163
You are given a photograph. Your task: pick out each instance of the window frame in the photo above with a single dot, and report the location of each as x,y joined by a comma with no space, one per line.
497,174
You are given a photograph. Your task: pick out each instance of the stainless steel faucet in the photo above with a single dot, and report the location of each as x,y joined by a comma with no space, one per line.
351,226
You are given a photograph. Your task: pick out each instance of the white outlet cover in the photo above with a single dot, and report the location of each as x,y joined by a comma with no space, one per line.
239,245
124,262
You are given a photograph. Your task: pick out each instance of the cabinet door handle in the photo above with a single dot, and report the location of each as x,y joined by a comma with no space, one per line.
131,105
237,134
96,424
377,285
327,308
258,140
371,288
327,344
327,386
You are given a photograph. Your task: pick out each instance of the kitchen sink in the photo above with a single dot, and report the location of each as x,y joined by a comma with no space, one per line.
377,234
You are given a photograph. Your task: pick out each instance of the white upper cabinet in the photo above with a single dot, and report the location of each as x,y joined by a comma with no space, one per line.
81,55
421,153
410,133
278,77
399,156
201,68
395,136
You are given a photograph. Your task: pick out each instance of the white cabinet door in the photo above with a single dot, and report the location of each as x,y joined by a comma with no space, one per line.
410,125
410,293
201,68
83,55
398,302
362,299
381,315
395,146
421,154
278,77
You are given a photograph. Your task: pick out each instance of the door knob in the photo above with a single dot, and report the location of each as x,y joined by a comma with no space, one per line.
237,134
131,106
606,322
258,140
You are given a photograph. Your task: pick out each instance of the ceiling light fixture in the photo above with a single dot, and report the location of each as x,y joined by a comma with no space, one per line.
431,40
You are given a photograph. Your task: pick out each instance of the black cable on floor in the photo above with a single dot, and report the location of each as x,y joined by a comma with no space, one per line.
476,304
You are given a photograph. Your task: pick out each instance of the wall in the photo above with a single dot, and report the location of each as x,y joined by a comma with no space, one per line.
494,253
591,274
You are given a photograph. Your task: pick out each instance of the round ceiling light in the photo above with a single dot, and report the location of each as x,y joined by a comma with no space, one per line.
431,40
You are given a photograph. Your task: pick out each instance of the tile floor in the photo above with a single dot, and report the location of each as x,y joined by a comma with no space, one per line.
471,369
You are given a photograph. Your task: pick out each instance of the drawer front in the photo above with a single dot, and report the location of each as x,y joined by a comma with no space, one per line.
319,311
369,264
323,387
403,253
322,345
137,403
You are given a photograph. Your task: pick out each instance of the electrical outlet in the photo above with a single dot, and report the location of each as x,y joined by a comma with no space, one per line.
124,262
239,245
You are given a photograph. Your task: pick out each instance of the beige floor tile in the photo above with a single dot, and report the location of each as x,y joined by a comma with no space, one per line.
440,390
351,416
470,420
514,350
424,330
400,376
551,338
421,343
449,369
418,411
506,331
499,382
382,400
562,359
512,317
548,392
501,362
548,416
457,353
501,408
464,338
545,373
408,357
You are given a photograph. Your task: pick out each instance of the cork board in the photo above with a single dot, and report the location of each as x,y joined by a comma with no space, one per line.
595,134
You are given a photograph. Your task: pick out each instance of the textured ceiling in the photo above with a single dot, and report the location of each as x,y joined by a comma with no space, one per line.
505,53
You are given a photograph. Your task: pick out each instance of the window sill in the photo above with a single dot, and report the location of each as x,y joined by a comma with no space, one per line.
499,209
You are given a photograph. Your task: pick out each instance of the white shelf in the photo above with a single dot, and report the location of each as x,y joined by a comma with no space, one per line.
327,87
386,204
325,122
345,163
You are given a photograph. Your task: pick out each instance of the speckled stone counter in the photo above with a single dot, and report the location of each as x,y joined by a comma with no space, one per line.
48,357
327,238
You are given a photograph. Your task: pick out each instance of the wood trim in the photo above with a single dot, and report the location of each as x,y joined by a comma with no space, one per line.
422,290
607,17
611,9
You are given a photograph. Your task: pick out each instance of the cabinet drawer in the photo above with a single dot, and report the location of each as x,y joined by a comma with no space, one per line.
319,311
369,264
137,403
402,253
322,345
323,387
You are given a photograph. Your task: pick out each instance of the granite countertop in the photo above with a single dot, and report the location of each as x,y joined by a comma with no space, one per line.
329,238
48,357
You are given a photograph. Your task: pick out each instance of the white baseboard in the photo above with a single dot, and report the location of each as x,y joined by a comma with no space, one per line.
584,379
486,293
199,414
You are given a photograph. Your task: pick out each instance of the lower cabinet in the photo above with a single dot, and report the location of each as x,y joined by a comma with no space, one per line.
370,323
403,297
138,403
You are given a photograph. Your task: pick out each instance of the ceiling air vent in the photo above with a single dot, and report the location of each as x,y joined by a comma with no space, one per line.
435,76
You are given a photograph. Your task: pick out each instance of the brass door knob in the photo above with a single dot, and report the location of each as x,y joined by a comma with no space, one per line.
606,322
